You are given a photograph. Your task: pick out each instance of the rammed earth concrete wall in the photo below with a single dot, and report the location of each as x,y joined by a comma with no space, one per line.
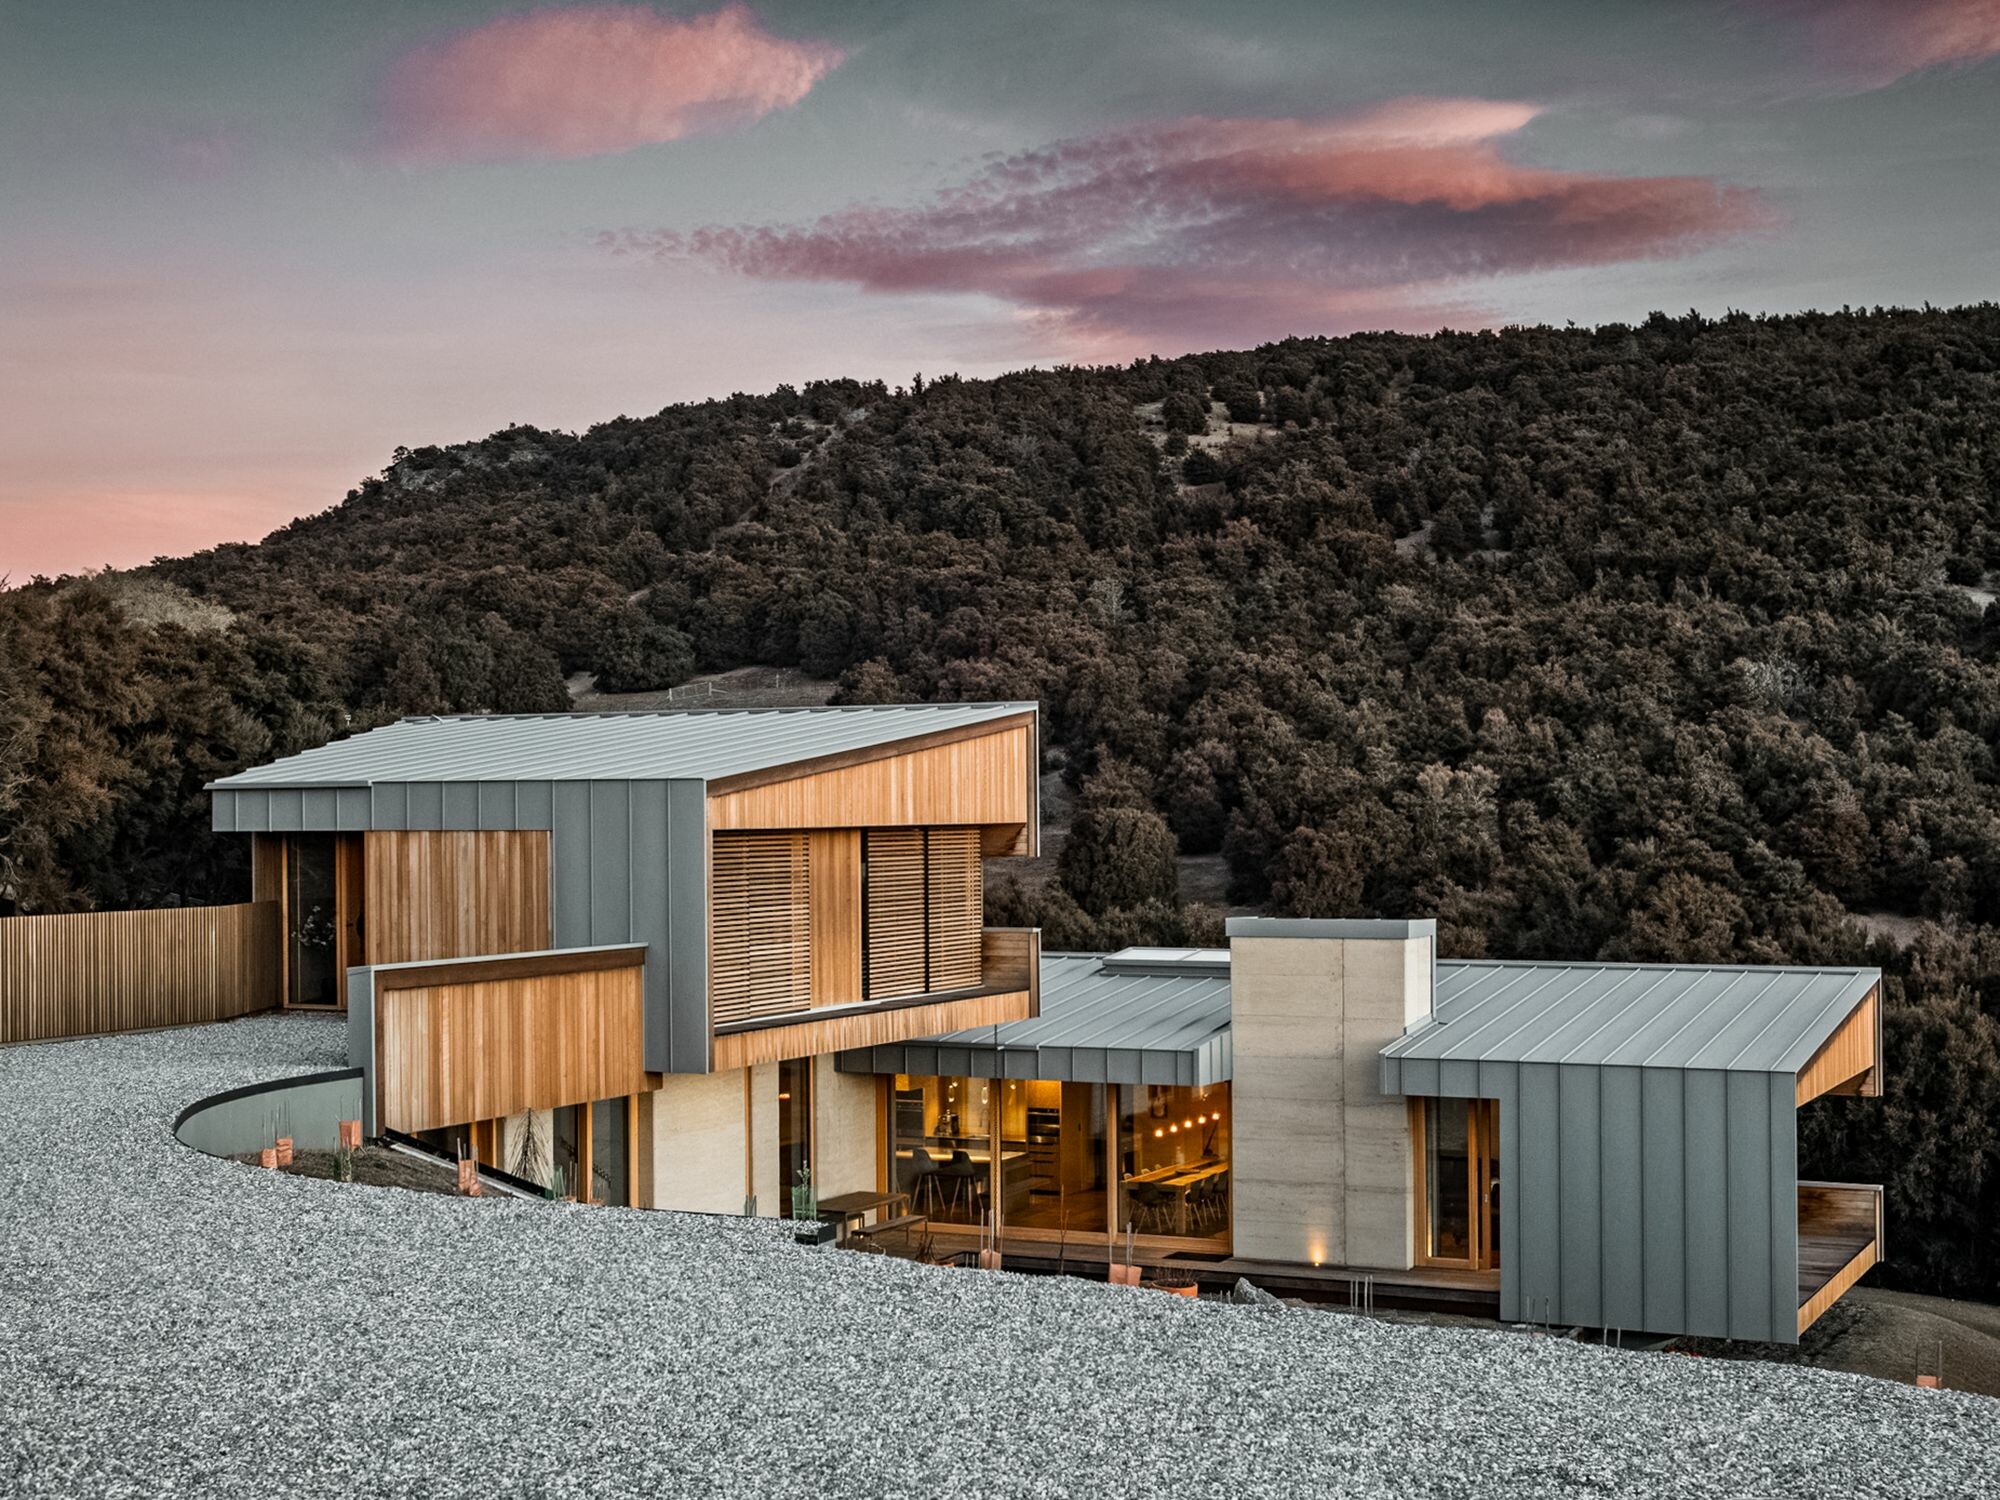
1320,1155
844,1144
693,1131
691,1143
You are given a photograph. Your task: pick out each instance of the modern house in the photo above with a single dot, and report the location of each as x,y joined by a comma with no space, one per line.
678,958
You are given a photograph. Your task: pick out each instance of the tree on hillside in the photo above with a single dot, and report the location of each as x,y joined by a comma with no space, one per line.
1119,853
1185,413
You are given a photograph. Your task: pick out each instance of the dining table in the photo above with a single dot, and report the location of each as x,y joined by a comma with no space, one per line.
846,1208
1182,1177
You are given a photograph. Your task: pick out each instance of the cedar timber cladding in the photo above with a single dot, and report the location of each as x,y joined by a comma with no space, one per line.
493,1037
454,895
626,802
978,779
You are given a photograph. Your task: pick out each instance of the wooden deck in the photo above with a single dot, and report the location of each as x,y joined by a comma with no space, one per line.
1822,1257
1427,1288
1840,1239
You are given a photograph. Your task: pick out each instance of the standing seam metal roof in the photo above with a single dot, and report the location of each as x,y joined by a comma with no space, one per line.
698,744
1169,1005
1735,1018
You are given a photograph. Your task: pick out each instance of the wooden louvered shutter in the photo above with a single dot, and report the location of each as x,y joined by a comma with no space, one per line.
956,900
894,904
760,947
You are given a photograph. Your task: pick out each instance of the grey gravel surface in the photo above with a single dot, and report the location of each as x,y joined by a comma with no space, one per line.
171,1324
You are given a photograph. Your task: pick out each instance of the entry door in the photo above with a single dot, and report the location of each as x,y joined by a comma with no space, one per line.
1457,1148
323,917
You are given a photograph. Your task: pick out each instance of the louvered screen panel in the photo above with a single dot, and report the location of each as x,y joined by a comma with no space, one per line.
894,902
760,943
957,901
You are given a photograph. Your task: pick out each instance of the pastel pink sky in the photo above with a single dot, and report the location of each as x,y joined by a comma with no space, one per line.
250,249
559,83
1211,231
1876,42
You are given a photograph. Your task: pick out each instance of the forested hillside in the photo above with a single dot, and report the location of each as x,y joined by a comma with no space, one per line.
1667,641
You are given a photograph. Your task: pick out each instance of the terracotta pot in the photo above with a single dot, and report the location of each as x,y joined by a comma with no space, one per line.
989,1260
468,1178
1928,1382
1187,1290
284,1151
268,1157
1124,1276
350,1134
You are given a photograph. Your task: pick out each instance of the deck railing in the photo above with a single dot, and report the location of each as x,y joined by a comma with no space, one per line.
89,973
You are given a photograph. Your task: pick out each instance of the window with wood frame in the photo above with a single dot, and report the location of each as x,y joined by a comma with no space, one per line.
923,899
760,947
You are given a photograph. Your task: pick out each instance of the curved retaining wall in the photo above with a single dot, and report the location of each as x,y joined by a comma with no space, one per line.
308,1108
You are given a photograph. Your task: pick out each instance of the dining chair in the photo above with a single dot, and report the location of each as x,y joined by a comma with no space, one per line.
920,1179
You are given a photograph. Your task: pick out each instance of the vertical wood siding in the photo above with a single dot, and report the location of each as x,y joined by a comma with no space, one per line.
836,916
96,972
456,895
530,1036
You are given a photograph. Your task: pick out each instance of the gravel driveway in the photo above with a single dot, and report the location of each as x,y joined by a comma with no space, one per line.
173,1324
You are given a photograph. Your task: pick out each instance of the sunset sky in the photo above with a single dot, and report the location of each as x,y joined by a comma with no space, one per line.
249,248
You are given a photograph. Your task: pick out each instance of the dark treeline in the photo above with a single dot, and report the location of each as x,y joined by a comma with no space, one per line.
1638,642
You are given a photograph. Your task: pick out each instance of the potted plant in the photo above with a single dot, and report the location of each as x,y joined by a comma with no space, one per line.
1128,1273
805,1212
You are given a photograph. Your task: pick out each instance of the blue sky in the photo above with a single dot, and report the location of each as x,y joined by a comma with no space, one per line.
250,248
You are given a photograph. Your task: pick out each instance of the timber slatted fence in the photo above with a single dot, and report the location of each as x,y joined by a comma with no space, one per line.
105,971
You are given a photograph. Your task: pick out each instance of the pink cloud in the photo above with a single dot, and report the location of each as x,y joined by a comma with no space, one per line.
1223,230
1872,43
561,83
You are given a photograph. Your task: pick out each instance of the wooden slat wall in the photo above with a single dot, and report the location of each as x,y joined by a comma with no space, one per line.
956,907
867,1029
267,867
96,972
835,859
1010,958
1841,1210
982,779
895,912
759,926
1846,1062
453,1053
455,895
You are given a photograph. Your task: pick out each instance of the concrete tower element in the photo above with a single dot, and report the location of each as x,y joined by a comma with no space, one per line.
1321,1156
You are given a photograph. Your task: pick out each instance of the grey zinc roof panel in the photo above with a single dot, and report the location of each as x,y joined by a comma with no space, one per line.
1084,1005
1100,1019
1729,1018
695,744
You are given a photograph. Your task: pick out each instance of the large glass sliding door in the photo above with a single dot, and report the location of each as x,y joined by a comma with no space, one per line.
1457,1145
795,1112
1064,1159
1174,1161
1053,1154
944,1132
